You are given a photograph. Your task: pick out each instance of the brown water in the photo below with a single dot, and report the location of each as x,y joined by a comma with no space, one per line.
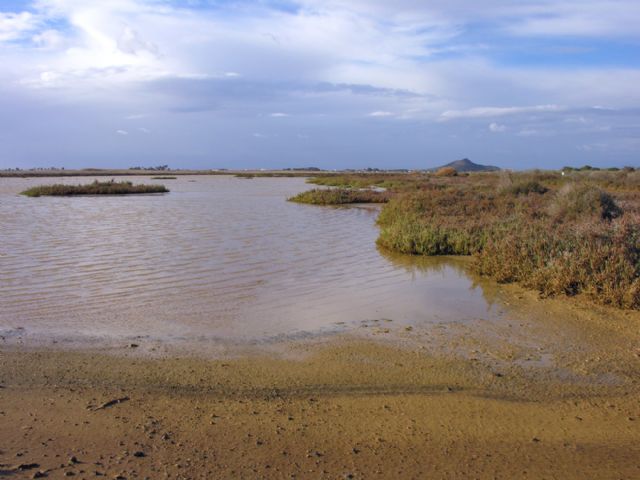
218,258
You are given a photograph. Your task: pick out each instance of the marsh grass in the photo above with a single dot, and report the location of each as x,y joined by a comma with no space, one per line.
571,234
163,178
95,188
339,196
389,181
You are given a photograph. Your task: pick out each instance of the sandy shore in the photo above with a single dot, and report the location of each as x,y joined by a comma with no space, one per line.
345,407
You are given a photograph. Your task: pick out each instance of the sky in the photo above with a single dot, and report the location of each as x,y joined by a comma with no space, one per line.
328,83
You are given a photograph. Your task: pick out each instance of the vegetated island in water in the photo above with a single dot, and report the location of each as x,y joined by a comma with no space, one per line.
95,188
164,178
569,232
340,196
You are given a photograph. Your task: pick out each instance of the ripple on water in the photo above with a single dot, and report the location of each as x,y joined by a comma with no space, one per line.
221,257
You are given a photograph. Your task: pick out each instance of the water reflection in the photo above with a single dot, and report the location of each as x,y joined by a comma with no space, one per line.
217,258
418,265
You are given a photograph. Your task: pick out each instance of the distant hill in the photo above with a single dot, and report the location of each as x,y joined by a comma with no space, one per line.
466,165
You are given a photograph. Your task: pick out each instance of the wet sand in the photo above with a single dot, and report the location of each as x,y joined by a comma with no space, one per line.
463,406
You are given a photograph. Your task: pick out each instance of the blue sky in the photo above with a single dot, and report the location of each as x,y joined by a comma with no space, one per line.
334,83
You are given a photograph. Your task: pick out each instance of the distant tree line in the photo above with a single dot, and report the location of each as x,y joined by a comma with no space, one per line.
158,168
586,168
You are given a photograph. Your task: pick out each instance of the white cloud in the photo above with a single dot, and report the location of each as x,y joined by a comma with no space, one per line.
529,132
49,39
15,25
613,18
481,112
381,113
122,132
279,115
497,128
136,116
131,43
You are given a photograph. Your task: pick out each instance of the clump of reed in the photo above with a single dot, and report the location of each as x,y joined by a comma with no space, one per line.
96,188
340,196
164,178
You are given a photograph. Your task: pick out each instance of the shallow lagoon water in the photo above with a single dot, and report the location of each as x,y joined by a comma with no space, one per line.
217,258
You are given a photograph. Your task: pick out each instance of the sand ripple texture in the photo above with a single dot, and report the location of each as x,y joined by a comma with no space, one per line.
217,258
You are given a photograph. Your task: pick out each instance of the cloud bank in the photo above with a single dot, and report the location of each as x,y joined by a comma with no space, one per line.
205,83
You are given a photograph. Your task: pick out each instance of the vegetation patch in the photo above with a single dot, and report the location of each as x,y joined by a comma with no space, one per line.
95,188
163,178
270,174
340,196
577,240
446,172
575,232
573,202
526,188
442,221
